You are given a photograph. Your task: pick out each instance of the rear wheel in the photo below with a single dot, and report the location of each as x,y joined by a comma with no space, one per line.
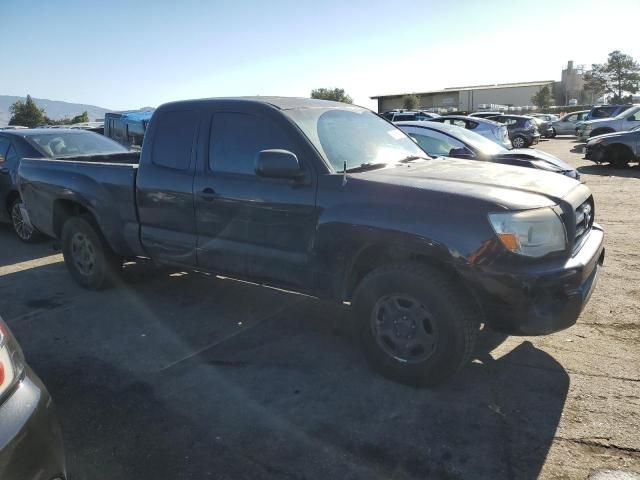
415,324
519,141
87,256
619,156
24,230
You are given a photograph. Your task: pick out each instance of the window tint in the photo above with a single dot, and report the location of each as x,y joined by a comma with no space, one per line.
237,138
4,146
173,140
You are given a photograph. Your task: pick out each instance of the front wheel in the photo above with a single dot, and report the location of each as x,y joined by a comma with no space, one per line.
87,256
24,230
519,142
416,325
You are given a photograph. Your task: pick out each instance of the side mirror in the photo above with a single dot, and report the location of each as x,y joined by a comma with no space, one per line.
461,152
278,163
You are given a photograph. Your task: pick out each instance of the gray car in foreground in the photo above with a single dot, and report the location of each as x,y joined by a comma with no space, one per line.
30,439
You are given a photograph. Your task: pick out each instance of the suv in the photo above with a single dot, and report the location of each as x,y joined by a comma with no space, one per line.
626,120
523,131
409,115
607,111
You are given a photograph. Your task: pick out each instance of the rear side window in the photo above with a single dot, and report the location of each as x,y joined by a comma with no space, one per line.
173,139
237,138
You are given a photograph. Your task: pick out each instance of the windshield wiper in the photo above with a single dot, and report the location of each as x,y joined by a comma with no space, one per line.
412,158
363,167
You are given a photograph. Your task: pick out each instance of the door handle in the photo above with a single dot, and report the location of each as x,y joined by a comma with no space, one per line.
208,194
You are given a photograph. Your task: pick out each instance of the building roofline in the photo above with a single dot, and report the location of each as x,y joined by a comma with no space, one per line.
474,87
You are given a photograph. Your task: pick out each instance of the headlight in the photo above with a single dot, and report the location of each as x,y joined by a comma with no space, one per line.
11,359
532,233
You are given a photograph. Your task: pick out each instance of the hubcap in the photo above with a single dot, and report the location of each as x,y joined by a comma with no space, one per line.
23,229
83,253
403,328
518,142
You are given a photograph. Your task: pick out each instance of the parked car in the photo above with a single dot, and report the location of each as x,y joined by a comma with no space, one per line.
487,128
606,111
568,123
30,439
40,143
441,140
624,121
619,148
485,114
543,126
547,117
331,200
406,115
523,131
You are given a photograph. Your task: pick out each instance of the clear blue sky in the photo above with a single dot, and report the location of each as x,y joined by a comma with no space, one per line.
125,54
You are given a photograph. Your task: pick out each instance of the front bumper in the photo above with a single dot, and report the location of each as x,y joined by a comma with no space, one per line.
30,439
595,153
541,299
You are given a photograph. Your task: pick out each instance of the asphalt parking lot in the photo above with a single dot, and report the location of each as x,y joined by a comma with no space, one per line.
182,375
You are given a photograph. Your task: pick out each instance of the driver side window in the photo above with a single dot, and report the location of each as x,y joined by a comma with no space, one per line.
571,118
635,117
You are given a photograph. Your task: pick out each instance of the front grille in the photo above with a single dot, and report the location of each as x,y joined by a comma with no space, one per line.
584,221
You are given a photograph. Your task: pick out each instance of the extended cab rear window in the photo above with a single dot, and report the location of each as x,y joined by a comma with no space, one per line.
173,139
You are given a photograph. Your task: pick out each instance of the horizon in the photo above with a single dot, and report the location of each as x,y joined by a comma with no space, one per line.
288,49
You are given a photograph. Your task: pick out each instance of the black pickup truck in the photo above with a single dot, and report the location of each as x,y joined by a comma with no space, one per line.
333,201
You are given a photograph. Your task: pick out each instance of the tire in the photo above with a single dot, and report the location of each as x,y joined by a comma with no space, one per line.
88,257
22,229
519,142
436,315
619,157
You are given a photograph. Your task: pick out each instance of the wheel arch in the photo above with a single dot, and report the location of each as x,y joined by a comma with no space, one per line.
11,197
63,209
373,256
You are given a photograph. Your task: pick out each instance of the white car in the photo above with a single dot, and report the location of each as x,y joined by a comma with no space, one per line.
494,131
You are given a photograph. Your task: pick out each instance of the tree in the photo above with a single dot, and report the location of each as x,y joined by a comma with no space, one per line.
335,94
26,113
543,98
411,102
620,75
82,118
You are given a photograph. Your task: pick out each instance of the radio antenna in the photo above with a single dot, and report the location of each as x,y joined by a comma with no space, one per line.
344,174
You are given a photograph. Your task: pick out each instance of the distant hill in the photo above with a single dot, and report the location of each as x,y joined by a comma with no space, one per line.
54,109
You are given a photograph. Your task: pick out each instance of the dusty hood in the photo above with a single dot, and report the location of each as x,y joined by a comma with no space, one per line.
513,187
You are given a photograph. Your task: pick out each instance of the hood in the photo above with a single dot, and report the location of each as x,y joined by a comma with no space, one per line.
599,121
531,153
608,135
515,188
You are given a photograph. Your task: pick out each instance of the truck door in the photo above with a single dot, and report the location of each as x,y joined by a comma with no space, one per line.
250,226
165,189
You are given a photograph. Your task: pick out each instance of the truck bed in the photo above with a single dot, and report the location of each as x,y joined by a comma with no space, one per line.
102,184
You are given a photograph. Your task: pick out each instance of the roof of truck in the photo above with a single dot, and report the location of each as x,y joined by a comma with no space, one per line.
282,103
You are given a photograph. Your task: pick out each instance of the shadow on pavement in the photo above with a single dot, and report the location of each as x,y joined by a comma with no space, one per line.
607,170
173,375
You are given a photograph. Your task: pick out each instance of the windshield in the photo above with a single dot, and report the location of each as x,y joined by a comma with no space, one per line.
627,112
64,144
478,142
353,135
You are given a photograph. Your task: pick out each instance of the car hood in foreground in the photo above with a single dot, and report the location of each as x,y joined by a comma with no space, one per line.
512,187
